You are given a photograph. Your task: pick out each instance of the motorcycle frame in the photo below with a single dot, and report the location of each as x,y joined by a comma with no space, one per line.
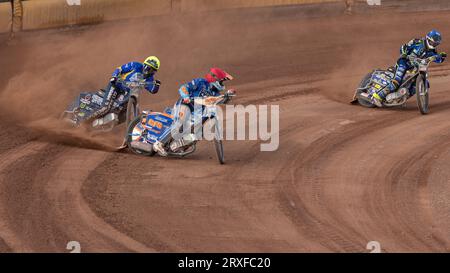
422,69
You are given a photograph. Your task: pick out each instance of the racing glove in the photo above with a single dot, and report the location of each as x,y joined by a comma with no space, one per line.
113,80
157,84
443,55
154,86
404,52
230,93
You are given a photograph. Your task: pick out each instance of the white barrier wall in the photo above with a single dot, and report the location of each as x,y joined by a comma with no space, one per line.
191,5
55,13
5,17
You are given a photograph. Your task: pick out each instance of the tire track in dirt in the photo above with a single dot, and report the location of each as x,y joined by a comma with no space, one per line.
8,158
290,201
50,201
323,190
331,163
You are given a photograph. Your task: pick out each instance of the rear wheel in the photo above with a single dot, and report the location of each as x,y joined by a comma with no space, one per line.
68,119
364,83
422,95
135,129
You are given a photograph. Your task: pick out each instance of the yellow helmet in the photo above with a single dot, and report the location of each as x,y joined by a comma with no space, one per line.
153,62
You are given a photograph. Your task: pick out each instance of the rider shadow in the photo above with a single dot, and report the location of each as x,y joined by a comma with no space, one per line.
412,107
407,108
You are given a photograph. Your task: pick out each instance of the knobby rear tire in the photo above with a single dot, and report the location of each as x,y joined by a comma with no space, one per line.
129,139
364,83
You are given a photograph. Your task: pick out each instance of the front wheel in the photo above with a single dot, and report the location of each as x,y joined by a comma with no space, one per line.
218,143
422,95
131,114
132,110
219,151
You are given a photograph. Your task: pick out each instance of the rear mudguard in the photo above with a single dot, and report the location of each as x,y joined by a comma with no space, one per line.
89,102
355,99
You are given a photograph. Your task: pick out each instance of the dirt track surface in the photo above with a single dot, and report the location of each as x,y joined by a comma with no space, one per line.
343,175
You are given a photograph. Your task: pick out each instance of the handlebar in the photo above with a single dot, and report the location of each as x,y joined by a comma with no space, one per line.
419,61
133,84
213,101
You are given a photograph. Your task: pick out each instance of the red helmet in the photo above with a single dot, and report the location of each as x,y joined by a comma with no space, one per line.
217,76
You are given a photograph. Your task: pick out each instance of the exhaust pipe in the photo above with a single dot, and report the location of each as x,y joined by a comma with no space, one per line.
146,147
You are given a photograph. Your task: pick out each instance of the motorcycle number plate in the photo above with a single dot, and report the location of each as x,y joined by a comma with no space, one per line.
97,100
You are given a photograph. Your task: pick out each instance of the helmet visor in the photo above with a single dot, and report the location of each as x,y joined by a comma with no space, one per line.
433,43
218,85
222,82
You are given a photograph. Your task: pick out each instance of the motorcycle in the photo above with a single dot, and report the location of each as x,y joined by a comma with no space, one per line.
125,108
415,83
149,127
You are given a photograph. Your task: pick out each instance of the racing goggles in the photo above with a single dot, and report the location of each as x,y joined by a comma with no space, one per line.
148,70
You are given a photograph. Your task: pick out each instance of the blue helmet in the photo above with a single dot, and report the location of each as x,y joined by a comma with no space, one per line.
434,39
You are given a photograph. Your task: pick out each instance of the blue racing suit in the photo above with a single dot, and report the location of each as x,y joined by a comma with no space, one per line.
129,72
197,88
416,48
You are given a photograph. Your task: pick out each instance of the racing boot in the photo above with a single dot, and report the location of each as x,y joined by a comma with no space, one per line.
183,142
158,147
393,86
377,100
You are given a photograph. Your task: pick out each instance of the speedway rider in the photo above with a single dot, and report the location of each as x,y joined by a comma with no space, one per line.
421,48
132,71
209,86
